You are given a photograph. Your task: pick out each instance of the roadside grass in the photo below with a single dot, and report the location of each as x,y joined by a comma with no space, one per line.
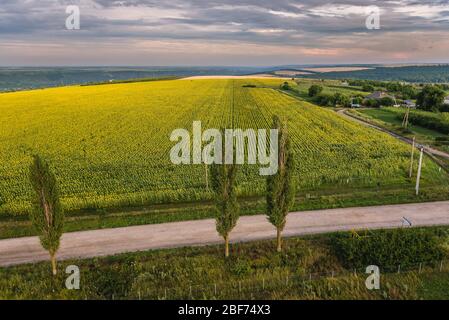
389,120
434,287
382,114
307,269
444,160
13,227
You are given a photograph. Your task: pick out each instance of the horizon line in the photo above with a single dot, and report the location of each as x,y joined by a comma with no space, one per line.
226,66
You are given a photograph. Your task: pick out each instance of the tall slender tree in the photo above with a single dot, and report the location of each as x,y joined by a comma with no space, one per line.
223,184
47,215
281,187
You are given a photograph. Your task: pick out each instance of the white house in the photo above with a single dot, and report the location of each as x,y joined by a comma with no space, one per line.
446,100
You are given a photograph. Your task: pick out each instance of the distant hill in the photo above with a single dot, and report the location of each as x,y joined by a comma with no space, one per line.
14,79
417,74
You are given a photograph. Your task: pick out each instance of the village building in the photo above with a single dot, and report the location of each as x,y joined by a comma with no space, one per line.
409,104
378,95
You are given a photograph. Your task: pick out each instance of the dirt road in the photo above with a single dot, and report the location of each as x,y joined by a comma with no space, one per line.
105,242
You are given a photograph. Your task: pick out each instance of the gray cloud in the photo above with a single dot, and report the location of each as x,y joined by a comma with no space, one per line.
313,24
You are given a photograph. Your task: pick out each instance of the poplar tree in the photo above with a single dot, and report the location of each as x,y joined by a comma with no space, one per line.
223,184
47,215
281,187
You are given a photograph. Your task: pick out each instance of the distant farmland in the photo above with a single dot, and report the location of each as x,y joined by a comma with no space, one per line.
420,74
109,144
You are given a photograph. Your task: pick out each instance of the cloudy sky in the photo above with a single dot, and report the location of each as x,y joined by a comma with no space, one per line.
227,32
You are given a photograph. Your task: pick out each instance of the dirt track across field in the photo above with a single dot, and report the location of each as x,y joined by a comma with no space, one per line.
87,244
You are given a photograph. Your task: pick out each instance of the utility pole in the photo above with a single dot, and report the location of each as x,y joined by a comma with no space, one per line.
206,170
207,176
411,162
406,117
418,178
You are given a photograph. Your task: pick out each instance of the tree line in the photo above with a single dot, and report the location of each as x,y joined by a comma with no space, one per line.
428,98
431,98
413,74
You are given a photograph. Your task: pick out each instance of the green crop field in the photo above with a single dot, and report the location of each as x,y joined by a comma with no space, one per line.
109,144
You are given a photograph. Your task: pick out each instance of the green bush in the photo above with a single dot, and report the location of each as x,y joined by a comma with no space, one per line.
367,88
387,101
285,86
340,99
241,267
434,121
324,100
389,248
373,103
315,90
442,139
431,98
357,100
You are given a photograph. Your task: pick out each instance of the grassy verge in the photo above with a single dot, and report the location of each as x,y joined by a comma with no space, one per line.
388,120
307,269
434,287
13,227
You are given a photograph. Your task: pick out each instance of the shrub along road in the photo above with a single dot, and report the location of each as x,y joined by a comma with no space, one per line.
87,244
